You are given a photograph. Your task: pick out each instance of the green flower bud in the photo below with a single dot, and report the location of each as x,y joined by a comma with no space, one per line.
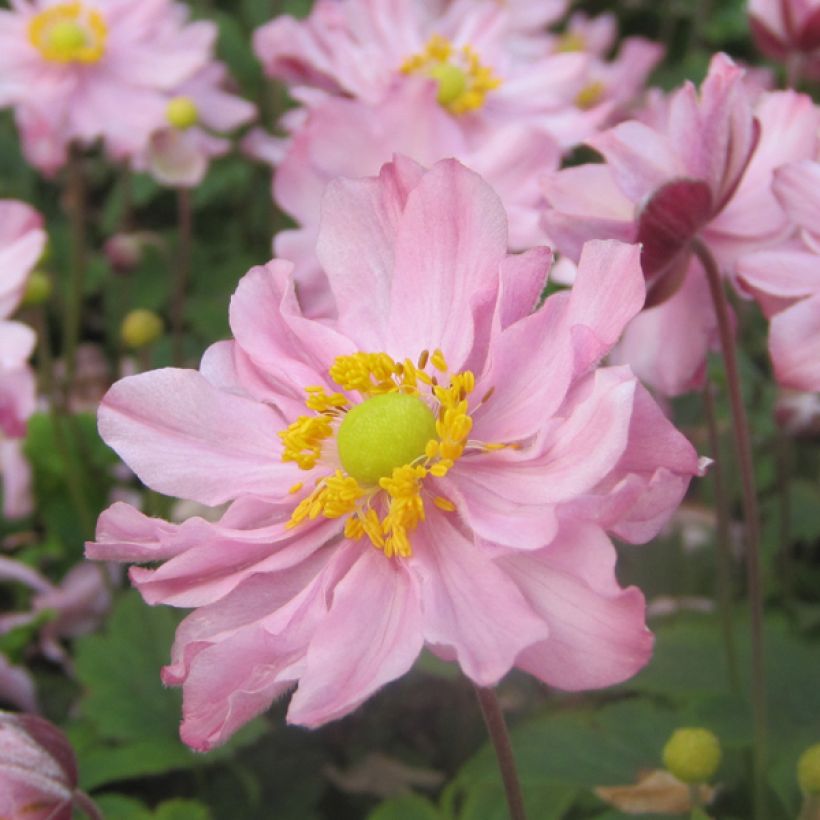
808,770
38,288
692,755
140,328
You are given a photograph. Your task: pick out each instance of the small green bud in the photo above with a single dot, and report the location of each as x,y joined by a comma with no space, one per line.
38,288
140,328
692,755
808,770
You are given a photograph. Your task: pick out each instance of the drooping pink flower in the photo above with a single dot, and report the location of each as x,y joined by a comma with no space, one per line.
785,280
84,70
701,166
350,138
198,114
38,771
402,475
788,30
22,240
484,72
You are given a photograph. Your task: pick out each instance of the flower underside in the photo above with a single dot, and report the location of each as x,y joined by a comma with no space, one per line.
69,33
463,82
409,429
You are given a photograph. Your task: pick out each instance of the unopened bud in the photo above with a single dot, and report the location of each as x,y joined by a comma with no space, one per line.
140,328
808,770
692,755
38,288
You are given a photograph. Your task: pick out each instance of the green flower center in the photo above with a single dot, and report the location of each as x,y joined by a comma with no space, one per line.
382,433
452,82
66,37
181,113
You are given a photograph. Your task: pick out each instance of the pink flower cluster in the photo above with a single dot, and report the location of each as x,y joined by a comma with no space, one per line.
22,240
79,71
399,476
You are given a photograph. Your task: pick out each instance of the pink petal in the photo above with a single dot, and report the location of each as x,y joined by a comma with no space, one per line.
794,343
597,635
183,437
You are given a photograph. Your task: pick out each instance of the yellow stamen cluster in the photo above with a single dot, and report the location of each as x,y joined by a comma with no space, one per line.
463,81
389,510
590,95
69,33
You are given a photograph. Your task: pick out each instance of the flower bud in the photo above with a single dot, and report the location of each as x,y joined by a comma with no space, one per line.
140,328
692,755
38,288
808,770
124,251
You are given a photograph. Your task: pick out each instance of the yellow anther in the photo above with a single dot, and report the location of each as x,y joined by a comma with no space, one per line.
296,487
438,361
444,503
571,41
322,402
69,33
590,95
463,81
303,440
423,357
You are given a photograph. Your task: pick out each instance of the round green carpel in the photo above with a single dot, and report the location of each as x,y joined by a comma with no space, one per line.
452,82
692,755
808,771
382,433
66,37
182,113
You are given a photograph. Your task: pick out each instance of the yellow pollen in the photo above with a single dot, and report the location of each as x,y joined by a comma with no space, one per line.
406,430
463,81
590,95
570,42
69,33
296,487
181,113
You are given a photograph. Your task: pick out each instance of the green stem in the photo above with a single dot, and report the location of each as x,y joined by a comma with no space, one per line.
75,203
783,459
497,729
743,448
723,554
181,273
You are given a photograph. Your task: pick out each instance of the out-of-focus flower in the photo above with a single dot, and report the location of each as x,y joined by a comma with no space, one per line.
124,251
22,240
349,138
656,792
785,280
470,52
700,167
798,413
84,70
788,30
38,771
404,459
197,113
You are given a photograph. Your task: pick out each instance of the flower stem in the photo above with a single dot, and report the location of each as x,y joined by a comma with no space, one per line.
497,729
83,802
723,553
743,447
75,204
181,273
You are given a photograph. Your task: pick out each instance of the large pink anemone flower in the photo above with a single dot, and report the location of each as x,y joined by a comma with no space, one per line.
439,466
701,166
22,240
788,30
81,70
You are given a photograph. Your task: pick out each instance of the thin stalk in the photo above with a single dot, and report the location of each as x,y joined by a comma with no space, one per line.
83,802
181,273
783,459
723,554
497,729
743,447
75,203
75,480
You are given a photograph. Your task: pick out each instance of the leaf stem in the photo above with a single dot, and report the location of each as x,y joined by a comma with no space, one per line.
497,729
181,273
75,204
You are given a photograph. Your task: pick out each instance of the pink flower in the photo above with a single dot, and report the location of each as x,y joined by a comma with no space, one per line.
701,167
38,771
786,283
84,70
401,476
484,71
22,240
786,29
349,138
196,113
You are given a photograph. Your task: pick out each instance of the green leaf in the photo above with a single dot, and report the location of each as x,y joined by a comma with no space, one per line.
406,807
182,810
121,807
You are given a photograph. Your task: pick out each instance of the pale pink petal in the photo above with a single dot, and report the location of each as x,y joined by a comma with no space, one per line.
597,634
794,343
15,472
471,609
183,437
